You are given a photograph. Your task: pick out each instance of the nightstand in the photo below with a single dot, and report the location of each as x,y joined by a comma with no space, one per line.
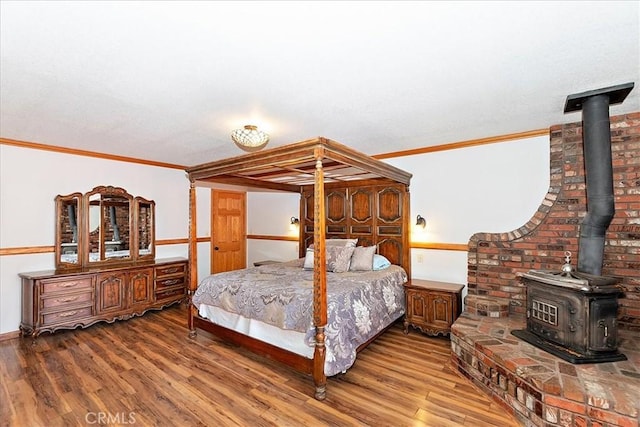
432,306
265,262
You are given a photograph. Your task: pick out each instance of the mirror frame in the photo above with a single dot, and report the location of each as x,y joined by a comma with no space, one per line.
151,232
61,204
136,206
106,192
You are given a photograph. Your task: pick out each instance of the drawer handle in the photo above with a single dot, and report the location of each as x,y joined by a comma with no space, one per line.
171,270
68,313
68,285
170,282
68,299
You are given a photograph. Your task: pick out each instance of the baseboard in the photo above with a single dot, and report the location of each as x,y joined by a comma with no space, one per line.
9,335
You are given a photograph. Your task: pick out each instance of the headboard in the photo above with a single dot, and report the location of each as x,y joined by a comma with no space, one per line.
376,212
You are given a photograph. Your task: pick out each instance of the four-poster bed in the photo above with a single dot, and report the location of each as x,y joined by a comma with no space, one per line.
344,195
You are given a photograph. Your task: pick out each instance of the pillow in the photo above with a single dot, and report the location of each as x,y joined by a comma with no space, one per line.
339,242
308,260
380,262
339,258
362,258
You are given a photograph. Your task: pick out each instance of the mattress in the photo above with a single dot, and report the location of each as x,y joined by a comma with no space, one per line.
274,303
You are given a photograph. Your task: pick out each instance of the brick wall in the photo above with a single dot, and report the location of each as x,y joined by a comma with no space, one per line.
496,259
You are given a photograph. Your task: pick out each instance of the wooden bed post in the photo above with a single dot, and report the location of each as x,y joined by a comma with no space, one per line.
319,283
406,235
193,257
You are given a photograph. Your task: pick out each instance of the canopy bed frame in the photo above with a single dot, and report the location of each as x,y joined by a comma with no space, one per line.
351,195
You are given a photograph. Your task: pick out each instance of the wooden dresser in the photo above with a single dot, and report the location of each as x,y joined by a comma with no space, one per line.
432,306
52,301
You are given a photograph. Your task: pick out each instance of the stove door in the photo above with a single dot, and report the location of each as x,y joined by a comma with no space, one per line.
557,317
603,329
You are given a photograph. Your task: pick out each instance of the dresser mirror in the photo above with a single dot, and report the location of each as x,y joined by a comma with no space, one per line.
109,224
146,229
67,208
105,226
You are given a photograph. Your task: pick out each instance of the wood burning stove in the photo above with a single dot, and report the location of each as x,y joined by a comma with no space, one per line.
572,315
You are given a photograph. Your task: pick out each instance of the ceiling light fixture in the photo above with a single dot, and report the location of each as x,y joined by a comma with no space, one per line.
250,137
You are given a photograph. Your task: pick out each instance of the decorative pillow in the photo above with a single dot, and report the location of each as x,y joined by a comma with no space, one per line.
338,258
339,242
308,260
362,258
380,262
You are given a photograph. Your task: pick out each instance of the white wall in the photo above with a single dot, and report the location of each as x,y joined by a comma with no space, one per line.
489,188
269,214
31,179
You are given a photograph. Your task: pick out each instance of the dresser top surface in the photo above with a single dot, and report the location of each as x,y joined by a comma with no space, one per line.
53,273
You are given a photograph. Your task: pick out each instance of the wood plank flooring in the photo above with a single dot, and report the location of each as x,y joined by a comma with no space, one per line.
147,372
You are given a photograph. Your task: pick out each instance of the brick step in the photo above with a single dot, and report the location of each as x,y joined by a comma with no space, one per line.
479,305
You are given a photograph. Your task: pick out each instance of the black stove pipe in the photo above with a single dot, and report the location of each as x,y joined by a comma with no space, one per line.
598,171
599,176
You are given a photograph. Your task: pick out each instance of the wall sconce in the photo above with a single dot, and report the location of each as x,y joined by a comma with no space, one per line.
421,222
294,226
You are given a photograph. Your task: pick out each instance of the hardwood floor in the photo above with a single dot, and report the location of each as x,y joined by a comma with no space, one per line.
147,372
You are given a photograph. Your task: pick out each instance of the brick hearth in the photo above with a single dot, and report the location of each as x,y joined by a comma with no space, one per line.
537,387
540,389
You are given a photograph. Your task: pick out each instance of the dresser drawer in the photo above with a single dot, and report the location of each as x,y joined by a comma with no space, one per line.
67,285
67,316
170,294
170,270
67,300
169,282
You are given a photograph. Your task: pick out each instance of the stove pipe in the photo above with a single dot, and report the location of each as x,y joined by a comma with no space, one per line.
598,171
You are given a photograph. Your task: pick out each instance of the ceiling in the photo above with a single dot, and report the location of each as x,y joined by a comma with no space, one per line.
169,81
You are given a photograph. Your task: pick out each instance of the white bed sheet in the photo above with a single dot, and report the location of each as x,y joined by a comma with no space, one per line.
290,340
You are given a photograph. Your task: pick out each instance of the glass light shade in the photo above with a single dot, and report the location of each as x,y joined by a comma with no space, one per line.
250,136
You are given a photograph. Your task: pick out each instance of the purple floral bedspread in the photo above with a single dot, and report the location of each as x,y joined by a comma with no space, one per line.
359,303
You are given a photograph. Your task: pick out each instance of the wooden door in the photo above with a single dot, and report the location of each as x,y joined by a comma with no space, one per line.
228,231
